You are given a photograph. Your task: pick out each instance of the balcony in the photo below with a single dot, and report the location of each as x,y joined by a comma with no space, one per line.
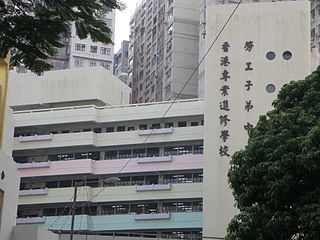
188,220
154,187
81,139
109,194
33,192
87,166
33,165
153,216
34,220
94,114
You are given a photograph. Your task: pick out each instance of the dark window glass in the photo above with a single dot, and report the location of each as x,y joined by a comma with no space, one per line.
181,150
49,212
198,177
184,207
87,130
125,181
125,153
66,183
110,129
143,126
111,154
168,151
193,124
139,153
153,179
155,126
137,180
93,182
65,131
182,124
97,130
152,152
169,207
168,124
52,184
122,209
197,206
108,210
198,149
66,156
131,128
121,129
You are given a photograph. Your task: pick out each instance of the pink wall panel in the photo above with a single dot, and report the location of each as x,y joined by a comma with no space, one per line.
87,166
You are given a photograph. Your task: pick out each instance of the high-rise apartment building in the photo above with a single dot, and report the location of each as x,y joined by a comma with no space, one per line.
163,50
315,26
120,69
78,52
60,140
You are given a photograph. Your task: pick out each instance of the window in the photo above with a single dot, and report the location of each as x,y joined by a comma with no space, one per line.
67,183
198,177
93,49
105,51
52,184
153,152
121,129
80,47
78,62
97,130
88,155
139,153
105,65
110,129
198,149
125,154
111,155
168,125
155,126
93,63
182,124
143,126
131,128
193,124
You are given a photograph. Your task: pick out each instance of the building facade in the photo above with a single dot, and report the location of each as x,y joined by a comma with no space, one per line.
163,50
159,161
243,76
120,69
78,52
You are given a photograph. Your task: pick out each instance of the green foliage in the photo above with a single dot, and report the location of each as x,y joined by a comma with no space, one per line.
276,179
33,28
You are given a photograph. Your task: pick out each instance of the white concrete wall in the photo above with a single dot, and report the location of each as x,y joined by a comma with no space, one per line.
10,186
271,27
63,86
33,233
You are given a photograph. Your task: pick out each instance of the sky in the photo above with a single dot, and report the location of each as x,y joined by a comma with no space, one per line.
122,23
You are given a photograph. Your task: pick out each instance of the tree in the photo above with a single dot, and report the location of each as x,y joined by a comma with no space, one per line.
31,29
276,178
